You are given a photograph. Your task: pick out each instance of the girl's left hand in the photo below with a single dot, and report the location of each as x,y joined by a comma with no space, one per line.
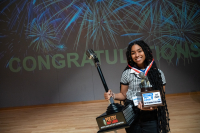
147,108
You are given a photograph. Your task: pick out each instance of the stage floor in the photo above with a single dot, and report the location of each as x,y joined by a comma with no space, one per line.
184,112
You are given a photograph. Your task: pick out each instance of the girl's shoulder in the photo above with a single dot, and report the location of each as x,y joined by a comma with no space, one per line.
126,70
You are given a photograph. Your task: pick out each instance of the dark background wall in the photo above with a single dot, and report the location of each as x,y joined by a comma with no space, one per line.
43,44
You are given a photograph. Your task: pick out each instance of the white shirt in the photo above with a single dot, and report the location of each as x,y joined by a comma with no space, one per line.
132,79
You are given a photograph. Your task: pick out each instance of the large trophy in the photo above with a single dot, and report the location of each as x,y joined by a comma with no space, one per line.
117,116
150,97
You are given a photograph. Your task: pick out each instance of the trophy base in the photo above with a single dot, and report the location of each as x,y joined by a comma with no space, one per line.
115,121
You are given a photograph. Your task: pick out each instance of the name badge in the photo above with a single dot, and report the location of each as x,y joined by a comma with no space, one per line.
136,100
151,98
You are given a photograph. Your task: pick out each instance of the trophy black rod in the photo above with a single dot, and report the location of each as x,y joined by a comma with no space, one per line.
104,82
102,78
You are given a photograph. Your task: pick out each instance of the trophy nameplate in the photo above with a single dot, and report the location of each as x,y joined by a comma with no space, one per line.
151,98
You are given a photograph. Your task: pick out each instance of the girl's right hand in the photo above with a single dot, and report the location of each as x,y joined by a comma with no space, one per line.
108,94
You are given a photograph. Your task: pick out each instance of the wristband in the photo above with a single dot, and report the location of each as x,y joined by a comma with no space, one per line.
113,95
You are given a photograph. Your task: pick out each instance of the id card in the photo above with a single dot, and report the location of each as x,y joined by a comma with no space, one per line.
151,98
136,100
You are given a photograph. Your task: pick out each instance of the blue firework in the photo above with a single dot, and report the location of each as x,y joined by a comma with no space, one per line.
159,27
156,7
22,13
61,47
145,28
184,28
185,24
43,36
148,23
100,20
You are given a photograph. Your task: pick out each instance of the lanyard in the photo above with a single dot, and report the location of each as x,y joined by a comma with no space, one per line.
144,71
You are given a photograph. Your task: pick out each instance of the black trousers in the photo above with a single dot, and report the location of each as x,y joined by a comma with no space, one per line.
143,127
145,122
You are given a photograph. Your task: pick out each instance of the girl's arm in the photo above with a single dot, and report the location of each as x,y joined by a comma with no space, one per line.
118,96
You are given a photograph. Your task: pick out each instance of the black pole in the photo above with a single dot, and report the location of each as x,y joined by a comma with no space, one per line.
91,55
102,78
104,82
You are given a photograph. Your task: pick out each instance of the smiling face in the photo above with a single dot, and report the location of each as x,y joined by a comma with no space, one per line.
138,56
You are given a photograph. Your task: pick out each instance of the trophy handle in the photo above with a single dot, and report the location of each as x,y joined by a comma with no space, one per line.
91,55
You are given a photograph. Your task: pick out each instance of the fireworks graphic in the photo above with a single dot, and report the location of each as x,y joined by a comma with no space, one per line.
57,25
185,24
43,36
178,26
184,28
151,24
98,21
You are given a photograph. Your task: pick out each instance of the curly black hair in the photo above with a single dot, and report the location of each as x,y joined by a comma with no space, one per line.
155,79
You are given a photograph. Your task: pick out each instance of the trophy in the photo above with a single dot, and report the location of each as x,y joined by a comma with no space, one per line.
117,116
150,97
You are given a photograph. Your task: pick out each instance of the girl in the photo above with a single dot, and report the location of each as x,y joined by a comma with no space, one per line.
152,119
